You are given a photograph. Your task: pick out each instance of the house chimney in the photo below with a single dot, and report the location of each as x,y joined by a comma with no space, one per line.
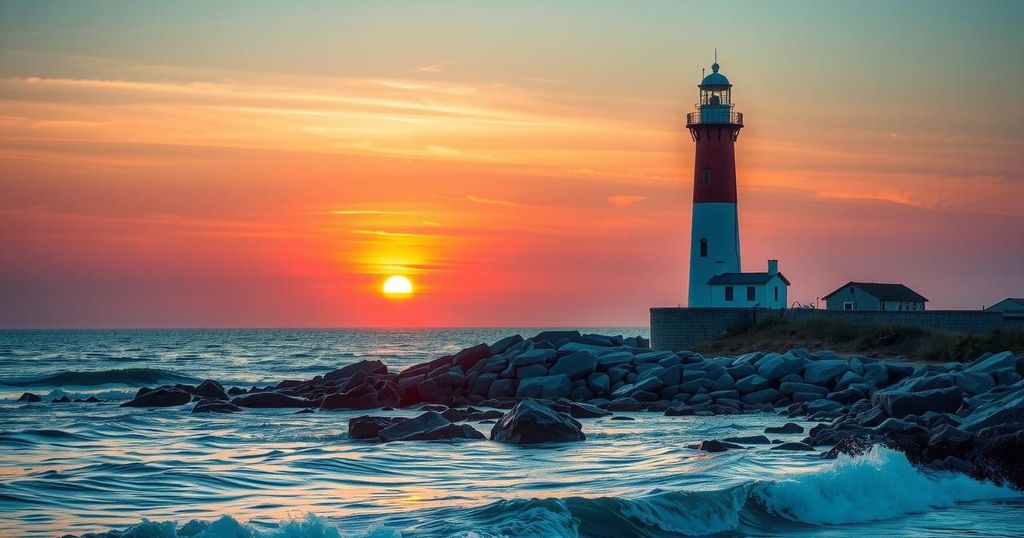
773,267
719,267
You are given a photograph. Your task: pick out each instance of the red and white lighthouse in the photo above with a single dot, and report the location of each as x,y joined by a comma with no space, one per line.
715,234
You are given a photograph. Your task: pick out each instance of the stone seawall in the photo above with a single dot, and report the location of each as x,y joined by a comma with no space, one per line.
682,328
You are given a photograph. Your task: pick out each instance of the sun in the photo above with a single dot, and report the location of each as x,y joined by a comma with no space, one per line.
397,286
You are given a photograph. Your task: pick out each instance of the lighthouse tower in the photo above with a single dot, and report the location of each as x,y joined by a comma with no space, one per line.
715,234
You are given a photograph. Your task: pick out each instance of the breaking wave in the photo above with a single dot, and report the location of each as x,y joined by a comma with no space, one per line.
121,376
878,486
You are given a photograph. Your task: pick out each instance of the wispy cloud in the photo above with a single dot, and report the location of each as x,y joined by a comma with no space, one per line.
625,200
488,201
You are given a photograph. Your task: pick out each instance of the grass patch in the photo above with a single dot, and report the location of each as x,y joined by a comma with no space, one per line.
777,334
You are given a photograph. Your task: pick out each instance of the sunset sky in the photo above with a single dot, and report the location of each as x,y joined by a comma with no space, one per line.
230,164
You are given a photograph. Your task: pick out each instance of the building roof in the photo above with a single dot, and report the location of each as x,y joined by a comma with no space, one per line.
884,292
726,279
715,78
1017,301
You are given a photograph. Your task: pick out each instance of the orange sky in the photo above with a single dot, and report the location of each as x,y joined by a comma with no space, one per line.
523,166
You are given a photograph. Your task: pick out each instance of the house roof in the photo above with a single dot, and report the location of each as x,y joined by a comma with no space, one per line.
725,279
884,292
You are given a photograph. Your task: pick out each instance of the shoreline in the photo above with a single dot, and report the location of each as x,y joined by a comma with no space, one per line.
965,417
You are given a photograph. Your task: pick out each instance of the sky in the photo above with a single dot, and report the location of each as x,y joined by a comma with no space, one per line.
269,164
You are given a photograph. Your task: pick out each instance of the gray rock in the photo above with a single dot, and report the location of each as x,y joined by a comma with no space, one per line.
210,389
159,397
875,374
788,427
577,365
763,396
599,382
533,370
725,395
1007,409
366,427
847,396
482,384
367,367
798,397
501,388
791,388
547,387
504,344
974,383
724,382
992,363
531,422
654,356
823,372
823,405
899,404
847,379
423,423
617,373
649,384
1006,376
441,388
774,366
467,358
752,383
625,404
268,400
583,410
215,406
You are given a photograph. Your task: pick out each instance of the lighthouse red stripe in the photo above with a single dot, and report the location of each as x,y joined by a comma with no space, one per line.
714,177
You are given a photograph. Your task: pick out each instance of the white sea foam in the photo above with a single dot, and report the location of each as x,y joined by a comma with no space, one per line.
879,485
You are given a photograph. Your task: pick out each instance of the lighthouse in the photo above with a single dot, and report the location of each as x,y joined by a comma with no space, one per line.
715,233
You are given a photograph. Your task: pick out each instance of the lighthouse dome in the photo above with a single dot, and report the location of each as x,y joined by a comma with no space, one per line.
715,78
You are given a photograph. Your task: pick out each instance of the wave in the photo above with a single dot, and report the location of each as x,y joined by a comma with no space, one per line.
880,485
120,376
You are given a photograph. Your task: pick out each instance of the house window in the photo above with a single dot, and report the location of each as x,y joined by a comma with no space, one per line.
703,248
848,305
728,293
851,290
776,293
707,175
750,293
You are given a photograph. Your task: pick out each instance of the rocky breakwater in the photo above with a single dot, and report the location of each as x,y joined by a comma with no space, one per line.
961,416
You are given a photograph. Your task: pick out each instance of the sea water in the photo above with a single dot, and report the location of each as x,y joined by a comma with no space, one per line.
83,467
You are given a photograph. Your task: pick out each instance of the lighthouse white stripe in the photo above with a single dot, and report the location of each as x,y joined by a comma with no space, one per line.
718,223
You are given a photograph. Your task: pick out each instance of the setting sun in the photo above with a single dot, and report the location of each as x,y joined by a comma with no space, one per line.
397,286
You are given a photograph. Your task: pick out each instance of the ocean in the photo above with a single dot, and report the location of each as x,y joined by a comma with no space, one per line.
79,468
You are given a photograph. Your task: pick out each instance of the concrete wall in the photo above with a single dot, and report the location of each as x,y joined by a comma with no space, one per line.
682,328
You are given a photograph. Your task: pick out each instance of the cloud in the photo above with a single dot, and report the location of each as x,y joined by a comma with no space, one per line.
625,201
487,201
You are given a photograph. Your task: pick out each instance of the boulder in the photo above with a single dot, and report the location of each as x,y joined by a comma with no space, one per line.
974,383
372,368
28,397
210,389
824,371
160,397
366,427
215,406
617,358
1007,409
625,404
996,452
774,366
364,396
945,441
790,387
899,404
547,387
577,365
648,384
467,358
788,427
724,382
752,383
763,396
531,422
992,363
583,410
852,445
501,388
441,388
445,432
268,400
714,445
398,431
599,383
533,370
504,344
846,396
